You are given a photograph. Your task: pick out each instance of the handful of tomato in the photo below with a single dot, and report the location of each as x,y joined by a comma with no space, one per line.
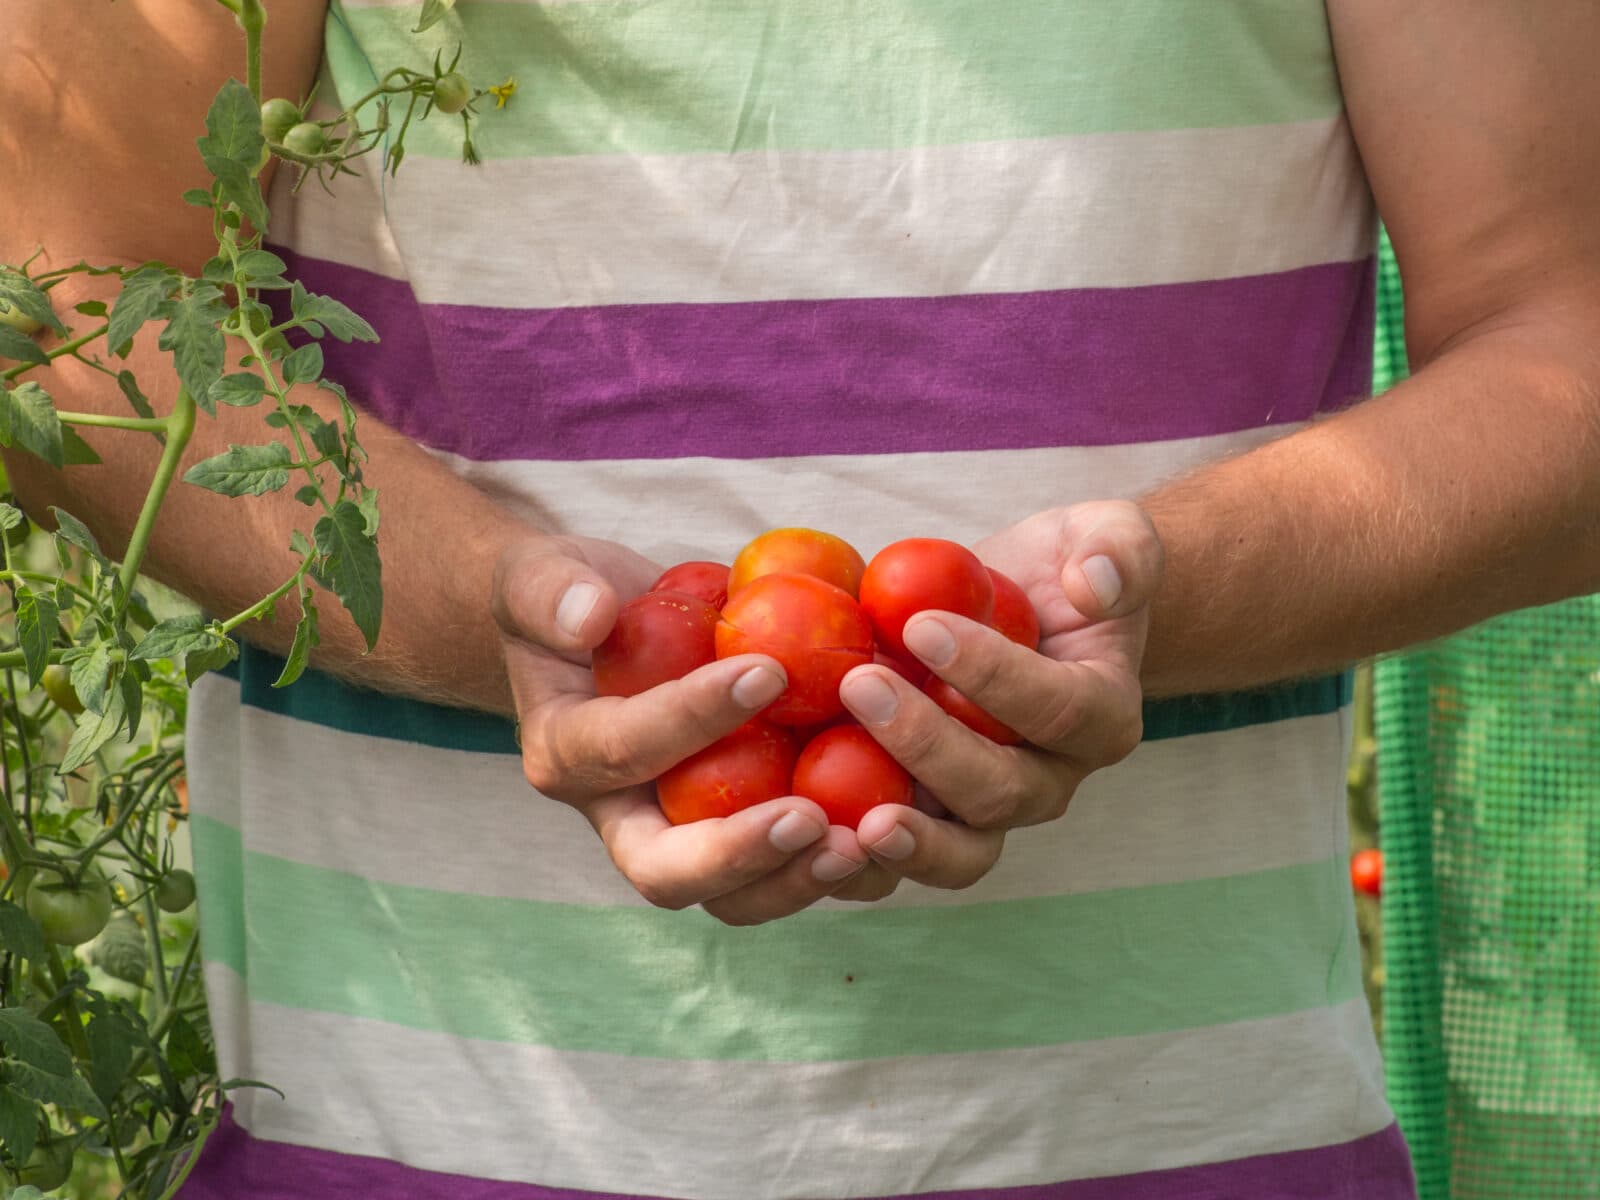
807,599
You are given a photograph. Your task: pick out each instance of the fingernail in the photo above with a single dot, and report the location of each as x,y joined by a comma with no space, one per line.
1102,575
575,607
830,867
930,641
871,699
758,687
896,845
794,831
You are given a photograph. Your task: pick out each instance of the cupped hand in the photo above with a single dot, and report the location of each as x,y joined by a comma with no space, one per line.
555,599
1090,571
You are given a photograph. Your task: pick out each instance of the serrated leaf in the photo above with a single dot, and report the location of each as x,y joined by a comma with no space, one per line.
197,662
136,399
75,531
66,1091
306,640
37,623
90,673
243,470
29,1040
20,934
433,11
91,308
199,197
93,731
233,126
142,294
16,345
174,636
308,494
10,516
303,365
196,342
75,452
111,1040
132,698
23,294
338,319
261,264
19,1129
369,509
187,1052
351,567
28,419
298,543
239,390
239,187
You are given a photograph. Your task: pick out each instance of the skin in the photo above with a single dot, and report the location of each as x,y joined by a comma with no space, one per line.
1469,490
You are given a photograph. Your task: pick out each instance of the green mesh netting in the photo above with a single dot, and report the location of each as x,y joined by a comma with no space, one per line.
1489,785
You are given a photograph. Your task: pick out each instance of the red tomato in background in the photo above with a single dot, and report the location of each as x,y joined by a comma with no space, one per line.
1366,872
1014,617
813,628
977,719
659,636
708,580
798,552
912,671
752,765
908,576
846,772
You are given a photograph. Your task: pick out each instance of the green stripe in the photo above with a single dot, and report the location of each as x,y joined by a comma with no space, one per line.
864,982
685,76
218,867
323,700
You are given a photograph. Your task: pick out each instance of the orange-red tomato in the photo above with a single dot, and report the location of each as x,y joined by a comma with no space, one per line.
908,576
797,552
846,772
708,580
1366,872
1014,617
659,636
752,765
811,627
977,719
912,671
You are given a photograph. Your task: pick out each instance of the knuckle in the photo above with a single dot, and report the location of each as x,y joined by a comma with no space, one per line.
1061,719
657,892
991,809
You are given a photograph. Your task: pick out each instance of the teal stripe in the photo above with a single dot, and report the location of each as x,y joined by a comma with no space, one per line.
863,982
685,76
324,700
218,867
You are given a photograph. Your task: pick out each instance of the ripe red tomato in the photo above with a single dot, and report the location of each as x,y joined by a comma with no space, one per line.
1366,872
1013,611
659,636
908,576
813,628
846,772
708,580
912,671
752,765
798,552
977,719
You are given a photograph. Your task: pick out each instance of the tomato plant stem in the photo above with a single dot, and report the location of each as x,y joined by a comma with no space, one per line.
180,428
102,421
55,352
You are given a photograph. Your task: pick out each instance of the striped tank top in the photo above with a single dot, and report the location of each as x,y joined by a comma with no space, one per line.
890,268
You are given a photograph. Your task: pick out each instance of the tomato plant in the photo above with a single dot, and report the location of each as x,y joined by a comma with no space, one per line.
451,92
814,629
306,139
70,911
708,580
751,765
175,890
848,773
658,637
1366,872
799,552
278,116
916,574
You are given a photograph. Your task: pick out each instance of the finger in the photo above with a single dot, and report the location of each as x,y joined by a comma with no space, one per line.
576,747
986,785
545,595
675,866
1116,559
872,883
1089,712
829,864
941,854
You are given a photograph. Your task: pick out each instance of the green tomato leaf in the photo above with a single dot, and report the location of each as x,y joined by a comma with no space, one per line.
15,344
187,1052
240,390
76,452
137,399
243,470
350,566
20,934
65,1091
91,308
303,365
338,319
142,293
93,731
369,509
19,1129
37,623
261,264
28,419
239,187
175,636
10,516
23,294
199,197
305,641
307,495
69,528
197,662
193,337
29,1040
110,1035
90,673
233,126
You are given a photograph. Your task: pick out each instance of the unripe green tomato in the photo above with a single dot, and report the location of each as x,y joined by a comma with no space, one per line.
451,92
70,914
57,684
278,116
175,892
48,1166
306,139
17,319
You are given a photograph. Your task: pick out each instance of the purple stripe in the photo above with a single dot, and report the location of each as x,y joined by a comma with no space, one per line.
1088,367
237,1166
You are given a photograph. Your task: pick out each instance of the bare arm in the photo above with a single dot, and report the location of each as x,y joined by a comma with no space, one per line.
1474,487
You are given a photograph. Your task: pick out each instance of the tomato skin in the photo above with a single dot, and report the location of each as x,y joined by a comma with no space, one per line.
912,671
977,719
1366,872
708,580
451,92
57,684
815,630
752,765
70,914
1013,611
914,574
306,139
658,637
175,891
278,116
848,774
49,1166
799,552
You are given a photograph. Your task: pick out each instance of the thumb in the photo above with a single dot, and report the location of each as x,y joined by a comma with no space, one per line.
544,594
1114,559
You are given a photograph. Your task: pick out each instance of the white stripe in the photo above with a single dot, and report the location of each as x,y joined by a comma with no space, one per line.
747,1130
400,813
1006,216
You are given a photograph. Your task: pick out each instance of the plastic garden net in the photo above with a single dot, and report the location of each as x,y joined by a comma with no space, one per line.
1489,783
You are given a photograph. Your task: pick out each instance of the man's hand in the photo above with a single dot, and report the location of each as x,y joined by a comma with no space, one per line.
1090,571
555,599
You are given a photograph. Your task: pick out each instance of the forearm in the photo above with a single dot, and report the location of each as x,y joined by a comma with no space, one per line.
1470,490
